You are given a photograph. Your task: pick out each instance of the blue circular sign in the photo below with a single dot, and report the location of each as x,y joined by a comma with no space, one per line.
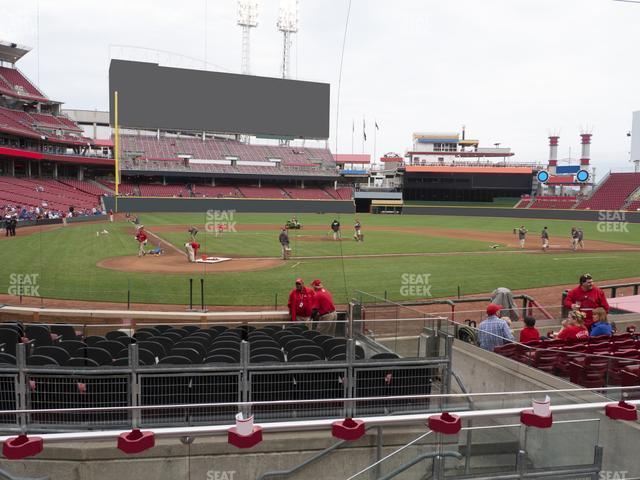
543,176
582,176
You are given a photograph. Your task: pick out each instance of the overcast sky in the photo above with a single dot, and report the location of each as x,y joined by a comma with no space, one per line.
512,71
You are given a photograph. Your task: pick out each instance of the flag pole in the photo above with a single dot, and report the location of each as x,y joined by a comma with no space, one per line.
117,147
375,132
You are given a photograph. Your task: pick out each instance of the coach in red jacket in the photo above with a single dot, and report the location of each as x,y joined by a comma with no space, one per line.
326,310
585,297
300,302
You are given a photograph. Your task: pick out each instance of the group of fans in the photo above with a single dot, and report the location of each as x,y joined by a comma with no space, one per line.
576,237
313,306
588,310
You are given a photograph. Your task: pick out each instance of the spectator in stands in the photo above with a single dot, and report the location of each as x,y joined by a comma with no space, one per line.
300,302
574,328
493,331
324,311
529,333
586,297
601,324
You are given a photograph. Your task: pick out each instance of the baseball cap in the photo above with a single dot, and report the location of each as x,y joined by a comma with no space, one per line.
300,281
493,308
316,283
585,277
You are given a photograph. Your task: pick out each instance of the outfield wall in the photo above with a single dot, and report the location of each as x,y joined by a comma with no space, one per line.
579,215
256,205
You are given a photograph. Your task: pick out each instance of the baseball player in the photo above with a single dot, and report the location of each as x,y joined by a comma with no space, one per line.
193,231
284,243
544,236
580,239
574,238
522,235
141,237
191,255
335,226
358,231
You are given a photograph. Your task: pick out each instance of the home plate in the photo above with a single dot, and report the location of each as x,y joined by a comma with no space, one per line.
206,259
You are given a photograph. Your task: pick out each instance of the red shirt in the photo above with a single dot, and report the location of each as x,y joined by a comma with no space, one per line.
588,300
300,303
573,332
141,236
529,334
323,302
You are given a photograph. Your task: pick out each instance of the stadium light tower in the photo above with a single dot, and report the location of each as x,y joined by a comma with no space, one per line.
247,19
287,24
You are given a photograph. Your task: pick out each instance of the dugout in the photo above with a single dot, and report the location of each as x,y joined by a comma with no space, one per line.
386,206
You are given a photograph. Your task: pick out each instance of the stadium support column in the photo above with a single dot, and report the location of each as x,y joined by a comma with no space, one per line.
55,170
553,156
585,158
81,173
12,167
28,168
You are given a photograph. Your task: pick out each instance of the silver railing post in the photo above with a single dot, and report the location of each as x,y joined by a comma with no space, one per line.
22,390
134,363
245,384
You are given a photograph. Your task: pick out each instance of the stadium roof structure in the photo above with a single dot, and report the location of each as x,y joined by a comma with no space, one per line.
12,52
364,158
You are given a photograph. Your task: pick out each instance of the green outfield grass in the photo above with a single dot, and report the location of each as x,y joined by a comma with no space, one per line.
65,259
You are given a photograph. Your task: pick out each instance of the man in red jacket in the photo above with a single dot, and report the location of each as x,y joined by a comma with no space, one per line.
326,310
585,297
300,302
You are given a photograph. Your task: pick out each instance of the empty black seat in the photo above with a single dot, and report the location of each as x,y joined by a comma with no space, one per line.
218,344
319,339
110,346
93,339
143,335
175,360
303,357
179,331
81,362
264,343
312,349
193,355
166,343
41,360
126,340
71,346
273,352
154,347
235,354
64,332
175,337
7,359
190,328
297,342
121,362
40,334
100,355
264,359
59,354
115,334
162,328
151,330
9,338
218,358
342,348
310,334
198,347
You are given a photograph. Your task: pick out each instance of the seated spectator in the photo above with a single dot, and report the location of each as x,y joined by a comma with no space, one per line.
529,333
493,331
574,328
601,324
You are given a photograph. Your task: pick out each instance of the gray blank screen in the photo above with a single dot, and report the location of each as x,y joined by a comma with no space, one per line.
166,98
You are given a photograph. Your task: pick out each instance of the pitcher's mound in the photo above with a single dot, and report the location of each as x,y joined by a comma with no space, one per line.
178,264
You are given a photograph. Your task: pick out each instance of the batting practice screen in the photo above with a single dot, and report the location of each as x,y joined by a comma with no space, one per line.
156,97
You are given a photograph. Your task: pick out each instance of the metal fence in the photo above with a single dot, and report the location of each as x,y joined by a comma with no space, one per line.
72,398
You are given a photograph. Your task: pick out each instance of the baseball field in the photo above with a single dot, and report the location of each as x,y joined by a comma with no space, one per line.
402,257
